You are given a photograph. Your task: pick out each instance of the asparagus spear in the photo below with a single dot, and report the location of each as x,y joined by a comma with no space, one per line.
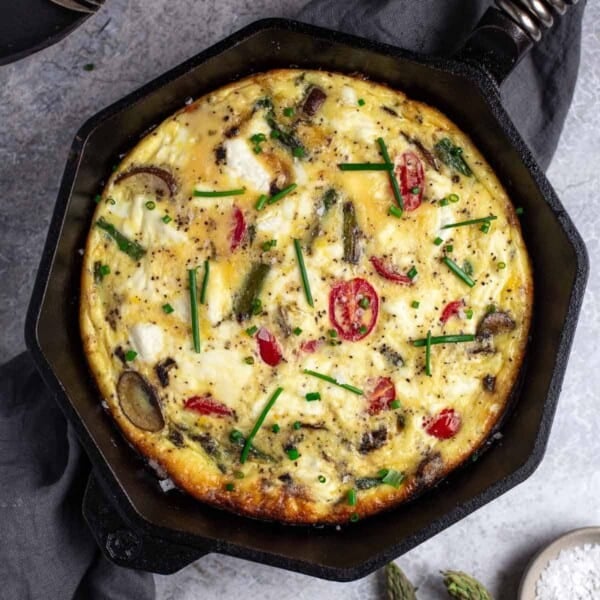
246,299
328,200
451,155
130,248
351,233
397,584
464,587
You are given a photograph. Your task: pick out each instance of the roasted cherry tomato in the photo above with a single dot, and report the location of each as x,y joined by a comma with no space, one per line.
380,395
452,308
207,405
238,229
268,347
310,346
353,308
387,272
444,425
410,174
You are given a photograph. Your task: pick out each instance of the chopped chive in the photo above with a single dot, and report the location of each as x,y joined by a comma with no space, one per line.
365,166
167,309
293,454
257,425
485,220
444,202
392,477
249,360
297,331
312,396
111,201
428,354
395,404
519,210
490,309
361,102
332,333
98,199
322,479
469,313
130,355
288,112
205,282
453,198
252,330
502,265
364,302
485,227
329,379
394,211
150,205
299,152
458,271
260,203
275,428
256,306
415,190
100,271
415,304
275,134
351,497
238,475
362,329
438,241
229,487
412,273
297,425
257,138
284,192
354,517
444,339
269,244
467,267
303,273
218,193
391,174
236,435
166,219
194,308
449,248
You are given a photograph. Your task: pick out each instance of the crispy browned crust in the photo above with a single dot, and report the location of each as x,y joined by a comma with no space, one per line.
272,501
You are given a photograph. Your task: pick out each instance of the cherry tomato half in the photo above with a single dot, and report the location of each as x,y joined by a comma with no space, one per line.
387,272
380,395
452,308
409,172
238,229
207,405
268,347
444,425
353,308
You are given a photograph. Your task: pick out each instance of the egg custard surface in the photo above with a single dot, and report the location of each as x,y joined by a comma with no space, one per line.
306,297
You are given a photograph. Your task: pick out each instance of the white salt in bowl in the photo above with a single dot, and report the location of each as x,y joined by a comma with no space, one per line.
578,537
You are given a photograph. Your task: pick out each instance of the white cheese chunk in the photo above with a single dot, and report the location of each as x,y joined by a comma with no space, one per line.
147,339
243,164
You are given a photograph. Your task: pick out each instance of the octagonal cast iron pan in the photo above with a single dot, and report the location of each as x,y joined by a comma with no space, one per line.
138,525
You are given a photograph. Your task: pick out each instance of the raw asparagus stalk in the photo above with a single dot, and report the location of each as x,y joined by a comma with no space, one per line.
464,587
397,584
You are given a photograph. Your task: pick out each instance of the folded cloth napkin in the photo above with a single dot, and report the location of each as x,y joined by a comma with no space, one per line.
46,550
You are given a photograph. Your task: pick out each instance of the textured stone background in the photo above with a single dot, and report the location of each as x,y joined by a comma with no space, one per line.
43,101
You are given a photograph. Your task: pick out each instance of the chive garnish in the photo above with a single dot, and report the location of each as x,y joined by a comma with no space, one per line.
502,265
166,219
100,271
415,304
98,199
322,479
293,454
519,210
394,211
444,339
312,396
297,425
303,273
458,271
412,273
485,227
150,205
354,517
392,175
229,487
391,477
260,203
469,313
252,330
167,309
428,354
249,360
132,249
444,202
288,112
471,222
329,379
275,428
130,355
332,333
453,197
438,241
218,193
257,425
415,190
194,308
256,306
449,248
269,244
299,152
351,497
361,102
297,331
395,404
365,166
364,302
284,192
362,329
205,282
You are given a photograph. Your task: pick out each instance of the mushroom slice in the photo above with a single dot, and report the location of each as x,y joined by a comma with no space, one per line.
314,100
139,402
153,179
494,323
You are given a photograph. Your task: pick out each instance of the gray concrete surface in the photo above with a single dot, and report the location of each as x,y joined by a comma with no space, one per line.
43,101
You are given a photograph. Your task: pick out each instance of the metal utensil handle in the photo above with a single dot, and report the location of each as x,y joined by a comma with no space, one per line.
506,33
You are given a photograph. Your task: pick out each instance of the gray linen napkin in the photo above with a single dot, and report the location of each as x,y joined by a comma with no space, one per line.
46,550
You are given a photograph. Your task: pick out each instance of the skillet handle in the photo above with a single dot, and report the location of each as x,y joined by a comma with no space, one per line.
505,34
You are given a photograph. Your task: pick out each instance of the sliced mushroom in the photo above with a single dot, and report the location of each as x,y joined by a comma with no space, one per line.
494,323
139,402
152,178
391,355
425,153
373,440
489,383
314,100
281,318
162,369
429,469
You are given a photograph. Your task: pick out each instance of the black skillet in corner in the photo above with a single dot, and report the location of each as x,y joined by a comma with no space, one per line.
138,525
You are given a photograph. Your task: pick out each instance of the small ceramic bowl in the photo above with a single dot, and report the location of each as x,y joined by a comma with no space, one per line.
577,537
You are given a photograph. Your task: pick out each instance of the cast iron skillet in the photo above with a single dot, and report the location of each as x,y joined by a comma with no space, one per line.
138,525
